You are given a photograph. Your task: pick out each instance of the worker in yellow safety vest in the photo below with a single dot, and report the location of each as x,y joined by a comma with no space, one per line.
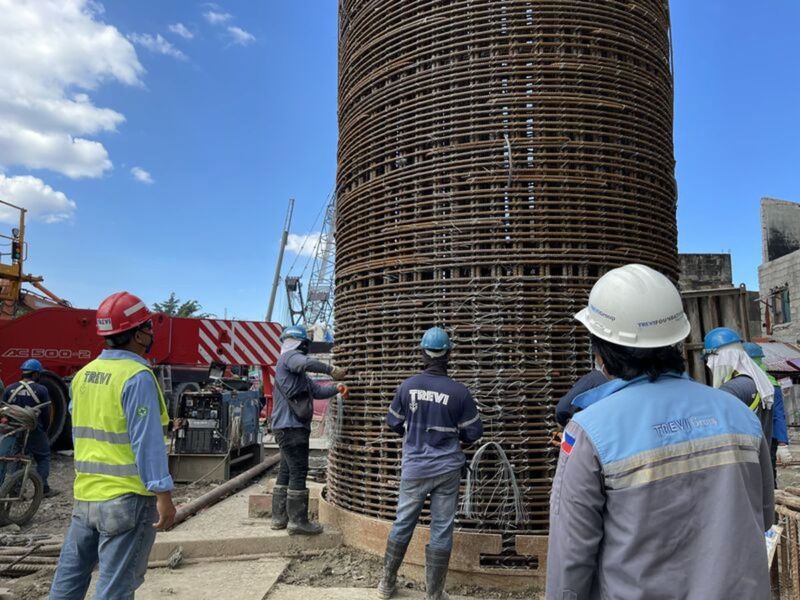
122,482
733,371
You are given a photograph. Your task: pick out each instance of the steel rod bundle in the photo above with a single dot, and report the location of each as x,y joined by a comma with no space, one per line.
495,158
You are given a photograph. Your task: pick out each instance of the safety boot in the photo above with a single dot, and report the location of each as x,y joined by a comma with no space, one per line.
391,563
280,518
297,507
436,562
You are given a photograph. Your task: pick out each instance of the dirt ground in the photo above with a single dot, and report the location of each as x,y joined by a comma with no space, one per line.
54,514
342,567
345,567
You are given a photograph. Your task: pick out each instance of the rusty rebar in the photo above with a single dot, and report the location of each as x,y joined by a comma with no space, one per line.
495,158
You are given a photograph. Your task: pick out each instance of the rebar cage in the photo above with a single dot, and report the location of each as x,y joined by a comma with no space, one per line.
495,158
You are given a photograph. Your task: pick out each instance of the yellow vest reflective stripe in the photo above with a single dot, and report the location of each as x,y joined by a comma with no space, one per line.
105,464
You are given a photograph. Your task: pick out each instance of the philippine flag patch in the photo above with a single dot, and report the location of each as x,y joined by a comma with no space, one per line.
567,443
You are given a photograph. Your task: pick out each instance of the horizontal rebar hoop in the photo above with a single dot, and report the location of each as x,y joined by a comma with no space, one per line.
495,158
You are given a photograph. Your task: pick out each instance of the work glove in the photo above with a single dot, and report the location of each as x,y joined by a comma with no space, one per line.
783,455
344,391
338,373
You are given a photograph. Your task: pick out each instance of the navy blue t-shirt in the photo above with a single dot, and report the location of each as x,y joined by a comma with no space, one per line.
564,409
435,414
24,398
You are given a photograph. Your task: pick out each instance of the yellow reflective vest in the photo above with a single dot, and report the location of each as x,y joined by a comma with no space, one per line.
756,403
105,465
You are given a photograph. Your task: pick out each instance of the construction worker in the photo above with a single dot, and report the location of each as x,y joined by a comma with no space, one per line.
435,415
735,372
122,483
779,448
565,409
294,393
663,487
28,392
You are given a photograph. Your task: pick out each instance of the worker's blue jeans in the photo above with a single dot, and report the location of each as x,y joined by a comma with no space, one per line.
443,490
118,534
38,447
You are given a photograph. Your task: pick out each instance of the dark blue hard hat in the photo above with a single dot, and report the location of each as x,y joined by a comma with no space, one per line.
31,366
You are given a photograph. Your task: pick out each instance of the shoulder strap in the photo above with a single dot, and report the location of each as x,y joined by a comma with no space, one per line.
25,385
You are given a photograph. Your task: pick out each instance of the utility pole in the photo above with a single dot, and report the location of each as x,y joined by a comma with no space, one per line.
276,280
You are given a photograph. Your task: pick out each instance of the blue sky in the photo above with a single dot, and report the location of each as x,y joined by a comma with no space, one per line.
230,123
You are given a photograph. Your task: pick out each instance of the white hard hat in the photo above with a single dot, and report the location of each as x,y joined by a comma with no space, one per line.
635,306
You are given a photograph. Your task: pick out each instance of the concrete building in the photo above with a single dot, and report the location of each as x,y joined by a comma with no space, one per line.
705,271
779,273
713,272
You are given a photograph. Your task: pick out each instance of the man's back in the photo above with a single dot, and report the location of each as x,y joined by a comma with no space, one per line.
438,412
31,394
668,486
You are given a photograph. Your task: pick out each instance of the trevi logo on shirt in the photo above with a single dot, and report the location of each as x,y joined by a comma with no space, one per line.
429,396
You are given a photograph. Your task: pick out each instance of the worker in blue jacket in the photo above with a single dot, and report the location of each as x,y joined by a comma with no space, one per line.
435,415
663,487
779,449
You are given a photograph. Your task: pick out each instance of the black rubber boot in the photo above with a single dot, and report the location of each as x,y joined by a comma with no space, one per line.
436,562
391,563
297,507
280,518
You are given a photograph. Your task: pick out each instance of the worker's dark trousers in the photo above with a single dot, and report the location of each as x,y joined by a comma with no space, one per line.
38,447
293,470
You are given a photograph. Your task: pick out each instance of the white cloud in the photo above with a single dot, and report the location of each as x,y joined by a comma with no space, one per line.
303,245
157,44
42,201
142,176
240,36
53,53
217,18
181,30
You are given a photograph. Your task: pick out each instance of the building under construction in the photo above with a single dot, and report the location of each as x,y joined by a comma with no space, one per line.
495,158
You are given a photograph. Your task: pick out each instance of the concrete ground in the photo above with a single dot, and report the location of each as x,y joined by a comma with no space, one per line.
225,530
292,592
242,580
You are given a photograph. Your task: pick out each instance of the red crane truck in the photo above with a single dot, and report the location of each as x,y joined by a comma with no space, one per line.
64,340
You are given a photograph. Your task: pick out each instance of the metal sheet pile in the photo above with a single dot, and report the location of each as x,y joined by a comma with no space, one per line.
495,158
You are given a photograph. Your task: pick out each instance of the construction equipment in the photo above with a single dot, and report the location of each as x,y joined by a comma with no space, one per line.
219,428
277,278
64,340
319,303
16,300
315,311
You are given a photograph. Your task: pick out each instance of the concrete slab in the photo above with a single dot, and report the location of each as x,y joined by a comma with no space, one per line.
243,580
225,530
297,592
260,506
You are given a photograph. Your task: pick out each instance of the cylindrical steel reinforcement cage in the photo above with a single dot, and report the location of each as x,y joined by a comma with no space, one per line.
495,158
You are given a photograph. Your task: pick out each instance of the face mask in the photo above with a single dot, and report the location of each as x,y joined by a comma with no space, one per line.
720,373
149,345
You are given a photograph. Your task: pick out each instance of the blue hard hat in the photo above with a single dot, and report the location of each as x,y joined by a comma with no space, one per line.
435,338
297,332
753,350
719,337
31,366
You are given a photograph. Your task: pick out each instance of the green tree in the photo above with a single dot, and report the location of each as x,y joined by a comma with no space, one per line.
173,307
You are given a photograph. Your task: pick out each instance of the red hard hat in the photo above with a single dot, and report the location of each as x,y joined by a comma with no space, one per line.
120,312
